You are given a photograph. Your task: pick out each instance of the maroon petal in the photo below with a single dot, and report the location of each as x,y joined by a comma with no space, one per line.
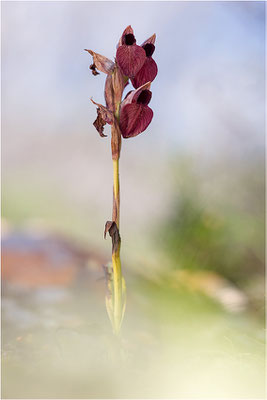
134,119
147,73
130,59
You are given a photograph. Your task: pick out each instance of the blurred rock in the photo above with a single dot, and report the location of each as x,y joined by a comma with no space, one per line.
36,258
215,286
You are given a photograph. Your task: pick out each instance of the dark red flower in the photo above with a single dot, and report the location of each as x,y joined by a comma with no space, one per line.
130,57
149,70
135,115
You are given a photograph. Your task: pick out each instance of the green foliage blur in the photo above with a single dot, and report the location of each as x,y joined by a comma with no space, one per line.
217,233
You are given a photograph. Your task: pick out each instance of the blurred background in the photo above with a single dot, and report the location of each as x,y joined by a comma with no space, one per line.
192,204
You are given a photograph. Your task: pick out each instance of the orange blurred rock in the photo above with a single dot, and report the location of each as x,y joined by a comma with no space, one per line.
33,269
33,262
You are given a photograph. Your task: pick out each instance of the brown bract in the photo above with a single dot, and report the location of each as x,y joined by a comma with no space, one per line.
93,69
99,123
103,116
109,93
119,81
107,115
112,229
102,63
115,140
114,86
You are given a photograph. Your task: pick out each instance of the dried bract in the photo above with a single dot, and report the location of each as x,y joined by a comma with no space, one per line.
102,63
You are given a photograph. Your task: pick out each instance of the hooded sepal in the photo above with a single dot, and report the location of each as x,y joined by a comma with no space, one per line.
100,62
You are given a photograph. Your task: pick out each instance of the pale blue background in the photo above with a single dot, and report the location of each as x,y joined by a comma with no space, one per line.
208,100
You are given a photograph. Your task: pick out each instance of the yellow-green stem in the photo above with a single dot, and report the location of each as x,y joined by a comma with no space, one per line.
116,262
116,193
117,279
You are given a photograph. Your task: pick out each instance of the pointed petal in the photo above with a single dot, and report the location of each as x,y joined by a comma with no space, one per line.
102,63
147,73
127,31
130,59
134,119
151,40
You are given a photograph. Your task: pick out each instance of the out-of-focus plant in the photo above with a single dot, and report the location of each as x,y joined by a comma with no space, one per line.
128,118
227,237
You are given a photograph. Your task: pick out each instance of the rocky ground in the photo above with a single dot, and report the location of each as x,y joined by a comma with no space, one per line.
57,340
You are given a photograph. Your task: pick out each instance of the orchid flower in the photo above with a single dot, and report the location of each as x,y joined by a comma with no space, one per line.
149,70
130,57
135,115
